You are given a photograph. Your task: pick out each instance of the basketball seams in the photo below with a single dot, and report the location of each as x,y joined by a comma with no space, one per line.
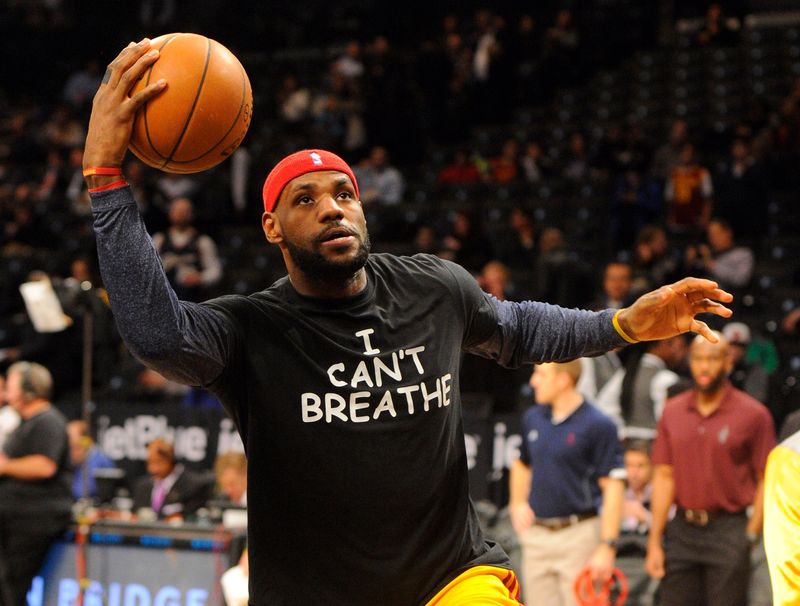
144,108
168,160
228,132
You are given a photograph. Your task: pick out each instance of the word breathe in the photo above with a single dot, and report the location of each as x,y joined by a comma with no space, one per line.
375,373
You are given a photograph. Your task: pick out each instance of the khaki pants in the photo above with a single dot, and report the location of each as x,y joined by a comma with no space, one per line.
551,559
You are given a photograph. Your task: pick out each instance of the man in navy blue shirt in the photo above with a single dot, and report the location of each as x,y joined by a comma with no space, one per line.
566,488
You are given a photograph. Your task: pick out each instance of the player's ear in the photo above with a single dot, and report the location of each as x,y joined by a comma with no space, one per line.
272,228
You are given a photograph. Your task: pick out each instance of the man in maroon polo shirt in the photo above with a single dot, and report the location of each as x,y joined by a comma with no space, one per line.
710,453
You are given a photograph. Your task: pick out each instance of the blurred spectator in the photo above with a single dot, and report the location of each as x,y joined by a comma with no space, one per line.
9,418
466,244
535,166
636,523
526,48
718,29
82,84
505,167
710,454
349,63
596,372
561,275
168,489
518,247
746,375
636,202
172,185
63,130
688,193
379,182
740,194
655,262
85,457
460,170
560,58
576,166
230,469
294,101
566,489
426,240
190,258
35,481
730,265
668,156
617,287
495,279
634,397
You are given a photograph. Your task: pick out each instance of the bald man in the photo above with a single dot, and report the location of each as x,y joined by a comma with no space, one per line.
709,454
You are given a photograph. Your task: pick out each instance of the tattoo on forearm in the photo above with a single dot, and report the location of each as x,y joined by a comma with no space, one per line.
107,76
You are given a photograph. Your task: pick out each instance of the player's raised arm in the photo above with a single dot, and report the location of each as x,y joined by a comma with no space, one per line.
184,341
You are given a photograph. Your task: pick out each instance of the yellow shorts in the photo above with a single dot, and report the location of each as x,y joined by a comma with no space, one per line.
480,586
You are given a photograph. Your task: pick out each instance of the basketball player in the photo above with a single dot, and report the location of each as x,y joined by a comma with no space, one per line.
342,377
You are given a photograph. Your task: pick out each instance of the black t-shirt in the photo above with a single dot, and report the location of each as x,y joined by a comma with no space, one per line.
43,434
350,414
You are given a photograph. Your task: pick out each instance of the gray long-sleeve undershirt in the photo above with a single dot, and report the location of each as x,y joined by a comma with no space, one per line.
190,342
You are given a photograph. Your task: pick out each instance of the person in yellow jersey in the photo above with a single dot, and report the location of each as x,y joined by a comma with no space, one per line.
782,521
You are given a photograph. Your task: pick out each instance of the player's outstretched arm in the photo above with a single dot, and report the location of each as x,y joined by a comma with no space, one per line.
183,341
672,310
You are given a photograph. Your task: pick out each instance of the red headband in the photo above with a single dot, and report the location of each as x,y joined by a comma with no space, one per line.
300,163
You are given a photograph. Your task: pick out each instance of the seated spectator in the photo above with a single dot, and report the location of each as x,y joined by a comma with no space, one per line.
190,258
379,182
495,279
349,64
617,287
230,469
636,523
293,100
466,243
655,263
576,167
730,265
169,490
668,156
426,240
636,202
460,170
517,248
688,193
535,166
740,192
505,167
86,457
746,375
561,275
718,30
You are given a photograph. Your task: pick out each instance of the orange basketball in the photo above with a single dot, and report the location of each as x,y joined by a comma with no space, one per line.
204,113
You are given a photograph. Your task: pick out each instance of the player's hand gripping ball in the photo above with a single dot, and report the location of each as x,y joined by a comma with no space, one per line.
204,113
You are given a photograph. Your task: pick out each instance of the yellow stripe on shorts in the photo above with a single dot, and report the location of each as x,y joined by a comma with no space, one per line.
480,586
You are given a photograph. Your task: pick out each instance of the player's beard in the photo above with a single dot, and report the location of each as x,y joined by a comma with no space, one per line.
318,267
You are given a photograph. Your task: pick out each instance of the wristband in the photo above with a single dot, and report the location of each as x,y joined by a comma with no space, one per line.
107,186
618,328
113,171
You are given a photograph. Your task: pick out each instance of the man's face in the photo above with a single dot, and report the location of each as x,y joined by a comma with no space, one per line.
709,364
158,465
638,468
233,483
320,225
546,383
617,281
